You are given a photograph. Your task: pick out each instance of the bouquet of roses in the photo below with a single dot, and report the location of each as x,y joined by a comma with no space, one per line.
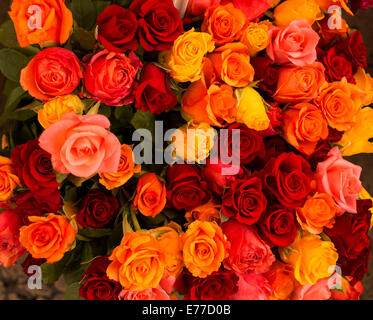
245,196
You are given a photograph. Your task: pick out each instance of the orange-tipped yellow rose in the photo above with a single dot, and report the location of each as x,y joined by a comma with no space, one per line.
8,179
255,37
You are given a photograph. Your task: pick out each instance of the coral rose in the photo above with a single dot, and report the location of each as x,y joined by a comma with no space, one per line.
8,179
81,145
148,294
318,291
150,198
52,72
252,286
41,21
48,237
204,248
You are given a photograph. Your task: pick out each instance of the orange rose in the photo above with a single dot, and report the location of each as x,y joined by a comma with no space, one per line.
137,263
151,195
281,279
224,22
232,64
48,237
340,102
204,248
39,21
8,179
318,212
255,37
299,83
304,126
209,211
126,169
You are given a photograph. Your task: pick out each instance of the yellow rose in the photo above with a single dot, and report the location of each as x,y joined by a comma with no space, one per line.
251,110
186,56
8,179
365,82
311,258
291,10
54,109
255,37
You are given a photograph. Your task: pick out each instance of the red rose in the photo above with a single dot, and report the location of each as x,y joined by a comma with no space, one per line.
245,200
337,66
97,209
34,168
274,114
154,93
117,29
159,23
278,227
110,77
275,146
97,285
288,178
266,72
185,187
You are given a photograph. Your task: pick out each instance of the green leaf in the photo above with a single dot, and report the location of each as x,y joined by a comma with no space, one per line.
84,13
22,115
52,271
11,63
123,115
88,234
123,3
105,110
72,292
101,6
13,100
83,38
143,120
115,238
8,36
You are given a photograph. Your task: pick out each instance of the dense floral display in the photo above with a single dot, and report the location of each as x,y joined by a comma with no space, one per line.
159,149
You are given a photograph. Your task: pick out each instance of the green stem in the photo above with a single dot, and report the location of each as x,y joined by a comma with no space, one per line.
134,219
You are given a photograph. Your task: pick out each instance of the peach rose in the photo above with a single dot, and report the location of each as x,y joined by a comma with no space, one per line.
137,263
81,145
299,83
8,179
224,22
304,126
150,198
340,179
148,294
295,43
318,291
48,237
126,169
204,248
40,21
209,211
281,279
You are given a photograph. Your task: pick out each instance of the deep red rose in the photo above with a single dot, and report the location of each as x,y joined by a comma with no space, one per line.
245,200
356,268
117,29
159,23
98,208
97,285
185,187
337,66
288,178
266,72
154,93
278,227
361,5
30,261
275,117
275,146
34,168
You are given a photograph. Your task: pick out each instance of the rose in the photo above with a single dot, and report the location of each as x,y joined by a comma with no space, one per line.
318,291
337,66
204,248
365,82
199,7
274,114
8,178
137,262
275,146
97,209
148,294
350,292
281,279
265,71
209,211
150,198
110,77
34,168
288,179
340,179
54,109
185,187
224,22
328,35
245,200
253,9
96,285
154,93
278,227
252,286
52,72
71,150
295,43
304,126
255,37
248,252
48,237
299,83
10,247
356,268
159,23
117,29
41,21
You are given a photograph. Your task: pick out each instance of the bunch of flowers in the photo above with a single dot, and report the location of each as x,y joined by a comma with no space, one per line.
279,88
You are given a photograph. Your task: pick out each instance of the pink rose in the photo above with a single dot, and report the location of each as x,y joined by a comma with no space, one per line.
252,286
167,282
199,7
340,179
149,294
248,251
81,145
318,291
10,247
295,43
253,9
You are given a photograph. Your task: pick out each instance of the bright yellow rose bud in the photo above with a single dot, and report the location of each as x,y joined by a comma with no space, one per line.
291,10
55,109
251,110
255,37
311,258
